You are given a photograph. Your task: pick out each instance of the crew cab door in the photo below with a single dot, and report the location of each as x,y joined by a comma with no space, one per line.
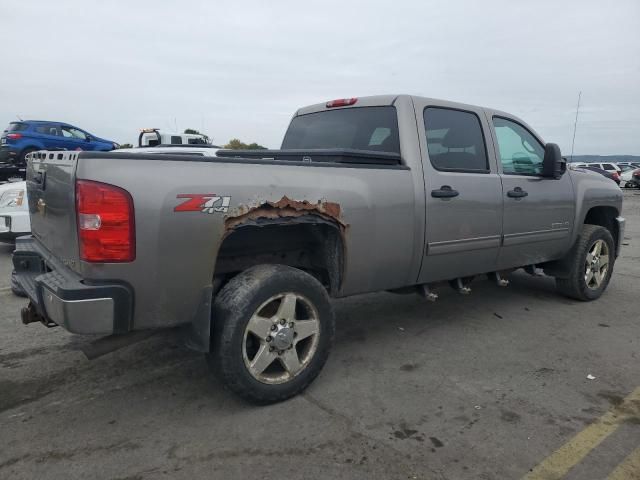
538,211
463,191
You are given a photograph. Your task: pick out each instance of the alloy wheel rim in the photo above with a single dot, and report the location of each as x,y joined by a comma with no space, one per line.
596,264
281,338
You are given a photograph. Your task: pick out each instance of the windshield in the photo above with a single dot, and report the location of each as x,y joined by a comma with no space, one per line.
364,128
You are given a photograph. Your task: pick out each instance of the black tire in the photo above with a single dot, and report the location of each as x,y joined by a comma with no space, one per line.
575,285
22,160
233,307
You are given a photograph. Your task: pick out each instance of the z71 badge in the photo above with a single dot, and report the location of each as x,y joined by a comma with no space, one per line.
203,202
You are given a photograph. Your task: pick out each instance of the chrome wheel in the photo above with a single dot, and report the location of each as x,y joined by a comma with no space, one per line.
596,264
281,338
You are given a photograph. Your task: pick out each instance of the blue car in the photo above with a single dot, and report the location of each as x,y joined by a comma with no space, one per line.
21,138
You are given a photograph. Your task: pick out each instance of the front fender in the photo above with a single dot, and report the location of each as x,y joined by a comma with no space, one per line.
592,190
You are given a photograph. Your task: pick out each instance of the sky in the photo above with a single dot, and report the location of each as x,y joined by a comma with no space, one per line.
240,69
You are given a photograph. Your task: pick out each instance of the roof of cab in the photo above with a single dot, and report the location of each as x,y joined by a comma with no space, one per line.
381,100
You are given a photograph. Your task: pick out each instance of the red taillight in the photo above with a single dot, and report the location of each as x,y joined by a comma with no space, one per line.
341,102
106,227
14,136
615,175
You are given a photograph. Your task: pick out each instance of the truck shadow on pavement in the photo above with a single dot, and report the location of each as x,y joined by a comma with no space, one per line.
160,364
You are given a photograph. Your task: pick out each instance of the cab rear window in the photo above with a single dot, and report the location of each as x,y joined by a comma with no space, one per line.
363,128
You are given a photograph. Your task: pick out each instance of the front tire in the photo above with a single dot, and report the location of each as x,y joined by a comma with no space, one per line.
273,327
591,264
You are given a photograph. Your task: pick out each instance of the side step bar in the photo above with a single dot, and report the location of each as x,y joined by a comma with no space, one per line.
460,285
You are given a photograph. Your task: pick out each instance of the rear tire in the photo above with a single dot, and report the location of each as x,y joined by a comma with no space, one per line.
589,274
263,348
22,160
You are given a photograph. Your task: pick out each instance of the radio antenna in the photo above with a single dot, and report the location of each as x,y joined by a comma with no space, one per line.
575,125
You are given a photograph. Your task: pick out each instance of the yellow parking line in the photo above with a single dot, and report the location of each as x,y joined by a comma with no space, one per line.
629,469
558,464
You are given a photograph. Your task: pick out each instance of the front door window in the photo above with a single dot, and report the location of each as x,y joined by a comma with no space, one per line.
520,152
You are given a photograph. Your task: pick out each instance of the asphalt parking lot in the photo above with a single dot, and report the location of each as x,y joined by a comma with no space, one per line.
493,385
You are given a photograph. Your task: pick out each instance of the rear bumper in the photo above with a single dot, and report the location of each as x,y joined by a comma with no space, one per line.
61,296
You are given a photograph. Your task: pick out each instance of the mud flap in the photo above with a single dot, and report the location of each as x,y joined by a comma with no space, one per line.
196,335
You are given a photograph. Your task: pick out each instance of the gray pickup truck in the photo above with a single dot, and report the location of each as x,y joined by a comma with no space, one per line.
244,250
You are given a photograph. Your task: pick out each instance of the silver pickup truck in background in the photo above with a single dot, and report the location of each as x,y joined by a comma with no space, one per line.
245,249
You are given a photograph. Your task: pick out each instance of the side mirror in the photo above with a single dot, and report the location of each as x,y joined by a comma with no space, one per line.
553,165
88,138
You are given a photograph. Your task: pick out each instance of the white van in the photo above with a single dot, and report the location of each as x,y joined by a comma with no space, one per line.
153,137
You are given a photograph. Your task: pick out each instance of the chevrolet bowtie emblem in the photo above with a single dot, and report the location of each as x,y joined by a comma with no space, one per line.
41,206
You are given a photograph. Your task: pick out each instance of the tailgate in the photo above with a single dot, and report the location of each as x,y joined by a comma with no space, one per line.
51,195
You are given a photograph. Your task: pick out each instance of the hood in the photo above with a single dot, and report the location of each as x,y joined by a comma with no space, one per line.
102,140
12,186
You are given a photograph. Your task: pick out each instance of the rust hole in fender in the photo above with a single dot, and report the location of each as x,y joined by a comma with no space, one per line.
283,209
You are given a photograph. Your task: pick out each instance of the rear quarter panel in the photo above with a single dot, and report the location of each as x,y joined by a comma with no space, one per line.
176,251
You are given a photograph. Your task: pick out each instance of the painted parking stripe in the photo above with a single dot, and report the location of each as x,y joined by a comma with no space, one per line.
558,464
629,469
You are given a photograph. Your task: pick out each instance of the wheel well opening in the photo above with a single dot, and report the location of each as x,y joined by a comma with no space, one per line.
604,217
314,246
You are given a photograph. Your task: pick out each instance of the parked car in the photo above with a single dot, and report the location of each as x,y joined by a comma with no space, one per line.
23,137
14,212
608,166
14,218
245,250
631,178
611,175
628,164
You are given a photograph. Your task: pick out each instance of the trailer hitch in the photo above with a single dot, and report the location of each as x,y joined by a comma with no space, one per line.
30,315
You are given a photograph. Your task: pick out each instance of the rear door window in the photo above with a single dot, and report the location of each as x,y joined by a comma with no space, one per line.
454,140
47,129
363,128
176,140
